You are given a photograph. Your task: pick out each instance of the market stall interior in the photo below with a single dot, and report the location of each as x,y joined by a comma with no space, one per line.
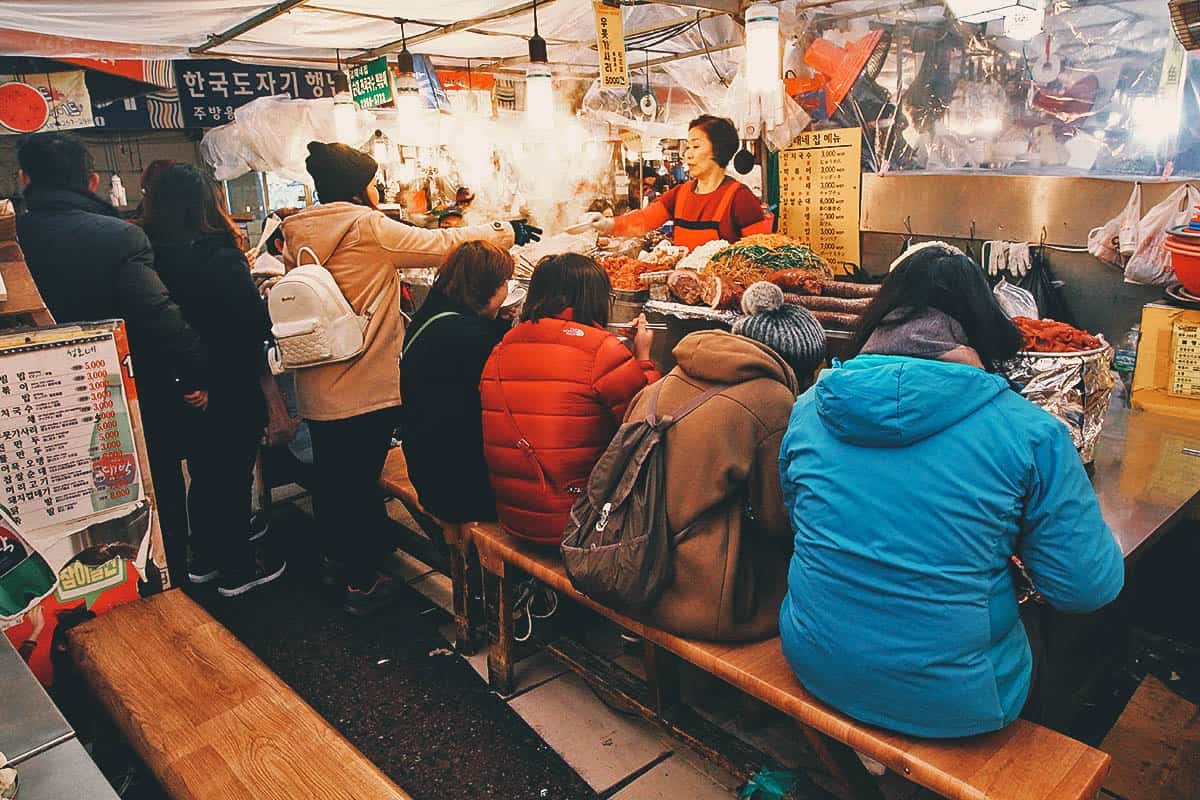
702,155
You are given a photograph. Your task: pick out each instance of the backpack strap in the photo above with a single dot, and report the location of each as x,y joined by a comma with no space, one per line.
668,420
424,325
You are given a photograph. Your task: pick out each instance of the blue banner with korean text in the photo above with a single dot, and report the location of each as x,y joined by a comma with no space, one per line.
211,89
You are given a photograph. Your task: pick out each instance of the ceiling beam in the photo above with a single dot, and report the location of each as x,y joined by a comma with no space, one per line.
445,30
733,7
264,16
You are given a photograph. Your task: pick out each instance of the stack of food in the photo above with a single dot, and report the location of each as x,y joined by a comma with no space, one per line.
1048,336
625,273
803,275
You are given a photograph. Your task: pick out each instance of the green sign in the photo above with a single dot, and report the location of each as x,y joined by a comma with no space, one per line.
371,83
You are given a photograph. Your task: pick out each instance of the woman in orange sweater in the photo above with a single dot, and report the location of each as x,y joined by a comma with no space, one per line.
553,393
711,206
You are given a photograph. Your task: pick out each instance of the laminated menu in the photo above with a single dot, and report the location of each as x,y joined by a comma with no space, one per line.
1185,359
73,495
819,194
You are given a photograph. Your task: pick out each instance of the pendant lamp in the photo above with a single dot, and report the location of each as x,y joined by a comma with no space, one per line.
408,91
539,82
764,84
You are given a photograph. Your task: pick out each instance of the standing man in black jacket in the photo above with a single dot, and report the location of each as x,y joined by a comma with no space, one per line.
90,265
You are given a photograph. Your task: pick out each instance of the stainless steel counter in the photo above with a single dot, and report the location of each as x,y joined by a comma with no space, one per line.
63,772
30,723
1143,478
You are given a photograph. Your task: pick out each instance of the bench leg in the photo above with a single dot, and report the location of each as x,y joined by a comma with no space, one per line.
465,577
662,677
844,766
500,655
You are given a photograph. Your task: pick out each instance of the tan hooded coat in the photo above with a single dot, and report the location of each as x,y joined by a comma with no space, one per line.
730,570
364,250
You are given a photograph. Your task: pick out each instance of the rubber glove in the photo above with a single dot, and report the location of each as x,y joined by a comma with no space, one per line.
597,221
524,233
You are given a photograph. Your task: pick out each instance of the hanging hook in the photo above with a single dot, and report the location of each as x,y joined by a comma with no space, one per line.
1042,240
908,225
972,236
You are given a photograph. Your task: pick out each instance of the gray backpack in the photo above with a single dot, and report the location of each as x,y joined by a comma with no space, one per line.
617,545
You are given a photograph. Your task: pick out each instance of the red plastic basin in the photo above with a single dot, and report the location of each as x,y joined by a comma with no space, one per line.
1185,258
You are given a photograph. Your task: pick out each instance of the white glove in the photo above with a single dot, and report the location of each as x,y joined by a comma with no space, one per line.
593,220
1019,259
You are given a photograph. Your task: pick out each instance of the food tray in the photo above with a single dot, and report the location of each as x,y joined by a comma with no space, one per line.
681,311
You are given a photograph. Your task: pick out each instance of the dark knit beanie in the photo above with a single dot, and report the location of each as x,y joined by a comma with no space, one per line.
790,330
340,172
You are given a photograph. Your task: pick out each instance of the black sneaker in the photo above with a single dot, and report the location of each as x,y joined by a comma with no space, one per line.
260,524
365,602
266,570
202,571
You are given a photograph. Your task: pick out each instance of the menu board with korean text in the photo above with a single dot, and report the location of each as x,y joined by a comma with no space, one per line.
610,47
819,194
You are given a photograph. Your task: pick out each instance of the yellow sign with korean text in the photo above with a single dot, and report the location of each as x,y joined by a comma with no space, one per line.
610,44
820,182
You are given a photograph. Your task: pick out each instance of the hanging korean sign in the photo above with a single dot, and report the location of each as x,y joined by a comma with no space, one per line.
371,83
610,44
819,182
44,102
210,90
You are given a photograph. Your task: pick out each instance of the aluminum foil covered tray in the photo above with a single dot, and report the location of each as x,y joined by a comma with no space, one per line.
1074,387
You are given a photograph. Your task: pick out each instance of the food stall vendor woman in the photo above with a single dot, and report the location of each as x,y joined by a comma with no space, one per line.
708,207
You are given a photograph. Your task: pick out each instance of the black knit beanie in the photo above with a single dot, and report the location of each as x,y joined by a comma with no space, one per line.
340,172
790,330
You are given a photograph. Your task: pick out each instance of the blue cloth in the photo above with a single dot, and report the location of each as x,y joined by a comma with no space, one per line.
909,484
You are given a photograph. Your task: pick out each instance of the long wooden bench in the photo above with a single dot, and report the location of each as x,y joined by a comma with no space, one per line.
207,717
1023,762
464,577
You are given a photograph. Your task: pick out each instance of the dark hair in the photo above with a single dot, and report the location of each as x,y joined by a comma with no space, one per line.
184,205
568,281
723,135
56,160
953,284
473,273
153,170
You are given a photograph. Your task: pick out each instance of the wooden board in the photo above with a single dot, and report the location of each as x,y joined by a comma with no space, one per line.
1022,762
1155,746
207,717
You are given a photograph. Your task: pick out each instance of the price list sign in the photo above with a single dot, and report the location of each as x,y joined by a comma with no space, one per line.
820,178
1185,360
66,441
610,45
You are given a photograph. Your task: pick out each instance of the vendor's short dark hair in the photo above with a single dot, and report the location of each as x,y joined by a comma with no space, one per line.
473,273
570,281
56,160
722,133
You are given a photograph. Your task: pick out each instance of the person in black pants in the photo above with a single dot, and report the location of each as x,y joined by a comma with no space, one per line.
198,255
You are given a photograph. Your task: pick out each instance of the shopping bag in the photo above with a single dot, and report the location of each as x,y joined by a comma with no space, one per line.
1105,242
1150,263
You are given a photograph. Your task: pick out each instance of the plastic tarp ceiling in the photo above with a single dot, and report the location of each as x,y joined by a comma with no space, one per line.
322,29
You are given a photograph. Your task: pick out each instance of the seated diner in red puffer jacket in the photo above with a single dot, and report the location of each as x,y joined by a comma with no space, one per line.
554,392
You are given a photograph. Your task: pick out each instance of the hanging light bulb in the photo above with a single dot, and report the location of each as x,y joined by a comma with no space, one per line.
539,82
345,111
408,91
763,82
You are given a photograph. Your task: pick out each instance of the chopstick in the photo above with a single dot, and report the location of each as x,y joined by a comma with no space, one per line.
650,326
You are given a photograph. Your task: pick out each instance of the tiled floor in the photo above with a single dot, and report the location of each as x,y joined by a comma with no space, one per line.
619,755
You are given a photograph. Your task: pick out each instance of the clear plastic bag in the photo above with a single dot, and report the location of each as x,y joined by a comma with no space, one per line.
223,149
1015,301
1150,264
1105,242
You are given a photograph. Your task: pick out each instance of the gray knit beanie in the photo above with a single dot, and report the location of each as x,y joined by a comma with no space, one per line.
789,330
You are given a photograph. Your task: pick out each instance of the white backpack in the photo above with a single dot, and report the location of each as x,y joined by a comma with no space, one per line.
311,320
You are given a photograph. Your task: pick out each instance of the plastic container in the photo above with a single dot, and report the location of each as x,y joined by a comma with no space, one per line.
1185,259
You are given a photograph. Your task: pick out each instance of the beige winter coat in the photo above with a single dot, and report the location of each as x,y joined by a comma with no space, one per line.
723,489
364,250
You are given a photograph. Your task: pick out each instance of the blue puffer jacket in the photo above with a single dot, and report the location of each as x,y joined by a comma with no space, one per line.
910,483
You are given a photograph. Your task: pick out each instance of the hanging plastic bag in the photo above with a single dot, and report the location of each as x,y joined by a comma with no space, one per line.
1151,263
1015,301
1105,242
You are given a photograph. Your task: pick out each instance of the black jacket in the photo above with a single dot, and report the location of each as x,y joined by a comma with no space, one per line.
210,281
90,265
443,419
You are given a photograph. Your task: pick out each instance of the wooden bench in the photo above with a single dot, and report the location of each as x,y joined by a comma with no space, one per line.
1023,762
207,717
464,573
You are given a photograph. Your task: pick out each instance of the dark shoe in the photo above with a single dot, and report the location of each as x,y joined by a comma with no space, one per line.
202,571
365,602
260,524
266,570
